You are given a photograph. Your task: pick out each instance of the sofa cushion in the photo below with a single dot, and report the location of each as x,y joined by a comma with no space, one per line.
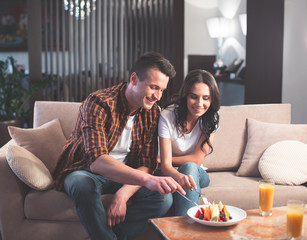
28,168
260,136
66,112
285,162
243,192
45,142
53,205
230,140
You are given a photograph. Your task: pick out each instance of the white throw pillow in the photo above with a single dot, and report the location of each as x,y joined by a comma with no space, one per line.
28,168
285,162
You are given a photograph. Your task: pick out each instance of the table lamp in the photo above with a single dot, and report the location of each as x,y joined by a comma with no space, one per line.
218,28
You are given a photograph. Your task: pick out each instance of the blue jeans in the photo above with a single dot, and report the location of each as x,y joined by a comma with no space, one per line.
201,179
85,189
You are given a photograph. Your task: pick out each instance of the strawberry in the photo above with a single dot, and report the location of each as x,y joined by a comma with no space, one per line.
197,213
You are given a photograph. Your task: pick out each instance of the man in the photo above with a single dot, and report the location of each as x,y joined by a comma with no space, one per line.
113,149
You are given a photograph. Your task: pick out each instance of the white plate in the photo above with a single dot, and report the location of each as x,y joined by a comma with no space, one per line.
237,215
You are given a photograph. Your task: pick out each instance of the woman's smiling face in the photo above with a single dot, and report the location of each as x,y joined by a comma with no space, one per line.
198,100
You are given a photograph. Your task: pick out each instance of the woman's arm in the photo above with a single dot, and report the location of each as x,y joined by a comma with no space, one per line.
198,156
167,161
166,158
185,181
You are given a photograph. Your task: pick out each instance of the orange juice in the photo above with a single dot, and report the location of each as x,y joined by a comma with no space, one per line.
295,216
266,196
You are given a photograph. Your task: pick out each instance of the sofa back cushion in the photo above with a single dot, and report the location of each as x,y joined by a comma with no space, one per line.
230,140
66,112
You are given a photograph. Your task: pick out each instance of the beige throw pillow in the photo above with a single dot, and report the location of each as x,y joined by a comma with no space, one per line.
45,142
28,168
285,162
260,136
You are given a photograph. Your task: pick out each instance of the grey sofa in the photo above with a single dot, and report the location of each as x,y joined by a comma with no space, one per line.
26,213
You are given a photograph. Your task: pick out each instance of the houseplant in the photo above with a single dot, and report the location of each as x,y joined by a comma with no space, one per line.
15,92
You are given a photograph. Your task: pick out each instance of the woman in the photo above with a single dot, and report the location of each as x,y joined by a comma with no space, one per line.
186,130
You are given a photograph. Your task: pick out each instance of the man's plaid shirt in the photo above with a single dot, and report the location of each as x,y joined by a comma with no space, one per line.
101,120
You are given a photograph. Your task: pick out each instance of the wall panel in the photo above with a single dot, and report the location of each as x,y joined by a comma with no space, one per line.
92,44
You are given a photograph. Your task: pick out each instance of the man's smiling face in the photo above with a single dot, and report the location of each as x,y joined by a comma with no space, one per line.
150,89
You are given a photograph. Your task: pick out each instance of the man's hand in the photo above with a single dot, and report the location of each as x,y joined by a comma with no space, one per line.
187,182
164,185
116,212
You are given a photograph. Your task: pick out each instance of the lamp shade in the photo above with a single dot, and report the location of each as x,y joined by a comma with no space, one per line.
243,23
218,27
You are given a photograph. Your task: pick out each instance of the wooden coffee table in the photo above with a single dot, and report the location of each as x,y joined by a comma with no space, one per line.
253,227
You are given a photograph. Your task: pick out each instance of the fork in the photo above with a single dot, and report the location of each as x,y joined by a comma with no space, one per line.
191,202
202,196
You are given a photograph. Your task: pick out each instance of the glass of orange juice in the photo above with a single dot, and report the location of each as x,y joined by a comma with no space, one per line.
295,216
266,196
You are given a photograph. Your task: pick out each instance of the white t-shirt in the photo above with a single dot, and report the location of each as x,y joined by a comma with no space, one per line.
181,144
122,147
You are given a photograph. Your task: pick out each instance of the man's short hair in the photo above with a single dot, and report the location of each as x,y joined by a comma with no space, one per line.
151,60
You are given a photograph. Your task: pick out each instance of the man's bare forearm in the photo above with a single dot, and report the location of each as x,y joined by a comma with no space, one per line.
127,190
116,171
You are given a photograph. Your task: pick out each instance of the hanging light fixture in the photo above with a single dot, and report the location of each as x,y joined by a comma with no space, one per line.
79,8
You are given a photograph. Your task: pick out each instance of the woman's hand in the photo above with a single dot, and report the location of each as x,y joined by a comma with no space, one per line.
186,182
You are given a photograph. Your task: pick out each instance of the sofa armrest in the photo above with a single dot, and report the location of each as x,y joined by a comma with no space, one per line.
12,195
